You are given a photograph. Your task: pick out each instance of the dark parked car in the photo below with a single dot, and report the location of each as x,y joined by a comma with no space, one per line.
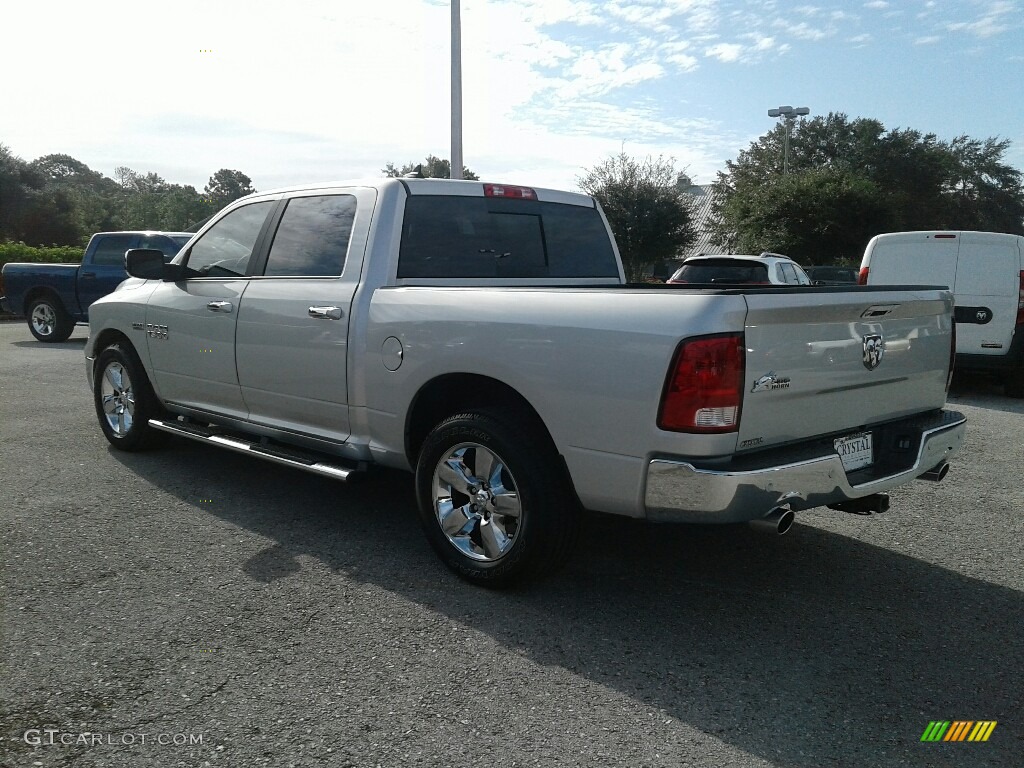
832,275
56,296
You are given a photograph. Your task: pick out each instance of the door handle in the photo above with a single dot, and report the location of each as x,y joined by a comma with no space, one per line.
219,306
88,275
325,313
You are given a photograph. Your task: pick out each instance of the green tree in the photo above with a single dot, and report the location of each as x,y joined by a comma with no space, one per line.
984,193
648,212
860,180
18,181
88,198
182,207
432,168
226,186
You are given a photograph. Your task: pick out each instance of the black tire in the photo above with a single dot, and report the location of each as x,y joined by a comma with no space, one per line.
124,399
48,320
519,522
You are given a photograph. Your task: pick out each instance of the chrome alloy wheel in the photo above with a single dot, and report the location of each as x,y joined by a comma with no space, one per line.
476,502
118,398
44,319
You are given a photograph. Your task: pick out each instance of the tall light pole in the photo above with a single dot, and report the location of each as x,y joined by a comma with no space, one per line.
456,92
789,114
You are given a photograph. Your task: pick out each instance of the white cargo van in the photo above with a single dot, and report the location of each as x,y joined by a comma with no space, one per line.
985,271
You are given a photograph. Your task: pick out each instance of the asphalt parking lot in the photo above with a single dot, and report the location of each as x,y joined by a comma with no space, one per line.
192,607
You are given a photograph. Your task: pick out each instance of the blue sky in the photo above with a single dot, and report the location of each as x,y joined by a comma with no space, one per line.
313,90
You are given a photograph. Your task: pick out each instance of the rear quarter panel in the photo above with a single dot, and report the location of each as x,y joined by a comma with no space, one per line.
592,363
21,279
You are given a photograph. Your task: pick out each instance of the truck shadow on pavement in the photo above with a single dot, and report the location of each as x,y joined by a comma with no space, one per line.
51,346
809,650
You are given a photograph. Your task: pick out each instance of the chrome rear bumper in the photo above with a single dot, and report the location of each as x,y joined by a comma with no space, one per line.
679,491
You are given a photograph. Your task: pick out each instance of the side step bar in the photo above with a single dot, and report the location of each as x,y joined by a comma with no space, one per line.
308,461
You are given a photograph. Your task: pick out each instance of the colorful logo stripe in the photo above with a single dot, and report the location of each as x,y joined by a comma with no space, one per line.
959,730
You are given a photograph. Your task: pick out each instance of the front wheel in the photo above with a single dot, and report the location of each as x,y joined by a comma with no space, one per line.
493,500
124,399
49,321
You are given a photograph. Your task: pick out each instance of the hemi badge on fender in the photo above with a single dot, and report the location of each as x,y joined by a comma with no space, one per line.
138,326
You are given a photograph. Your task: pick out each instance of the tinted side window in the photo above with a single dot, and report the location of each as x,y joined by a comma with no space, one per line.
456,237
110,249
312,238
225,249
789,274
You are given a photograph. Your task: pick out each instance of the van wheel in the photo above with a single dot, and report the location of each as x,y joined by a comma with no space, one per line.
1013,384
49,321
493,500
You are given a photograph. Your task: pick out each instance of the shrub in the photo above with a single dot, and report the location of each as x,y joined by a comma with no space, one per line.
56,254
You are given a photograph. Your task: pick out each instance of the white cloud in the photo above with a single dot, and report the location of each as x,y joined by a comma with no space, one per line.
726,52
804,31
676,53
927,40
877,5
993,21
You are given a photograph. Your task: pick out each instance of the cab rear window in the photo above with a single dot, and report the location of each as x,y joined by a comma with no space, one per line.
453,237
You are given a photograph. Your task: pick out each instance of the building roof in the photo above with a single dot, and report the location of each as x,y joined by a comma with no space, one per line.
702,217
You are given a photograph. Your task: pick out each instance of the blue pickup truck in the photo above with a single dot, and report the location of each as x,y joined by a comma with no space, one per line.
53,297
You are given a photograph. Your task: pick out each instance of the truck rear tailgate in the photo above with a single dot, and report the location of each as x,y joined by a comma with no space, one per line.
837,361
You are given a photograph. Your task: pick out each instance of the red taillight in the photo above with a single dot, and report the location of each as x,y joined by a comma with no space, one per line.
862,276
705,385
952,353
1020,300
504,190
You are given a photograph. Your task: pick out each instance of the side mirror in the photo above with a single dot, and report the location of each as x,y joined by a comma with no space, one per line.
147,263
151,264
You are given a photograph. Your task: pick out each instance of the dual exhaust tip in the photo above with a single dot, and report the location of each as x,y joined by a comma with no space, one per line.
779,521
936,473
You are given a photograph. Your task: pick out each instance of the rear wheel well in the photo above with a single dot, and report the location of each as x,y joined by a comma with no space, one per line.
460,392
41,292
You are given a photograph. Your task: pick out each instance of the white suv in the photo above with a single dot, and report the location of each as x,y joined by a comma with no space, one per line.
766,269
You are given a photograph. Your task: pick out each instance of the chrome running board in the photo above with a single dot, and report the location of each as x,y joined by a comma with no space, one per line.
286,455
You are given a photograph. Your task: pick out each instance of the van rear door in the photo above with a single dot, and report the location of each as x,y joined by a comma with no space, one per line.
986,291
913,258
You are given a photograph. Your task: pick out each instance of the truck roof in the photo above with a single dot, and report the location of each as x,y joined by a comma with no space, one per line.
459,187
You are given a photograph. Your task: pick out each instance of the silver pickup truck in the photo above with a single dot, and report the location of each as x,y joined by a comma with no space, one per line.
483,337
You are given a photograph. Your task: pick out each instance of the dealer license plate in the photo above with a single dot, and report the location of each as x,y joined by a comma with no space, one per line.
855,451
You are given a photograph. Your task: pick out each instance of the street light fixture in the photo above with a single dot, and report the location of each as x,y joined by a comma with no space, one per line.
789,114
